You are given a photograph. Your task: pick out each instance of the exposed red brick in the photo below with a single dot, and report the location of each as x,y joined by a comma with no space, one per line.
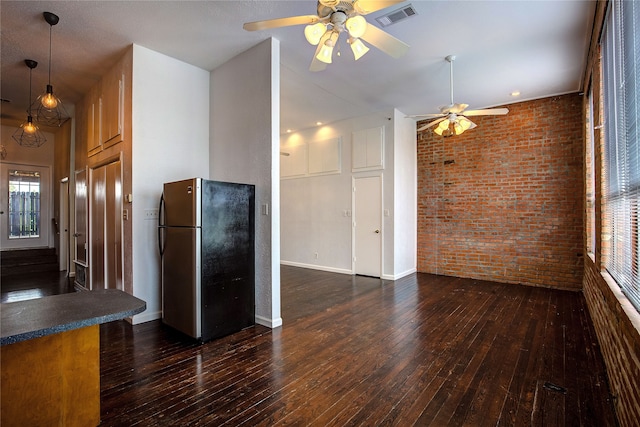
503,201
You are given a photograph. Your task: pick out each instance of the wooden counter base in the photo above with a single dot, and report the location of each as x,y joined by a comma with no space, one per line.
52,380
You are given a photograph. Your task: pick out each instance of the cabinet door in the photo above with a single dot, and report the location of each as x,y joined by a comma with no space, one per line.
94,145
112,108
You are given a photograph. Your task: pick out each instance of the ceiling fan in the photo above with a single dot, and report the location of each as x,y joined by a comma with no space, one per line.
453,118
334,17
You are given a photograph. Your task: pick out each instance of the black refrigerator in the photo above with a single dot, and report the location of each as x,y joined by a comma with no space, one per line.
206,238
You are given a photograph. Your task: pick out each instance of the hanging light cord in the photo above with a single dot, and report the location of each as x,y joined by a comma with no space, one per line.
29,100
50,35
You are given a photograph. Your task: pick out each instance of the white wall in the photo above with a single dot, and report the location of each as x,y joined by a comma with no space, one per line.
244,128
170,123
312,207
405,208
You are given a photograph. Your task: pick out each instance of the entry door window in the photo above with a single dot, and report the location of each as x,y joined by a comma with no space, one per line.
24,204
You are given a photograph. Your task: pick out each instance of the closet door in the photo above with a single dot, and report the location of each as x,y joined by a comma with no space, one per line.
106,227
97,221
113,226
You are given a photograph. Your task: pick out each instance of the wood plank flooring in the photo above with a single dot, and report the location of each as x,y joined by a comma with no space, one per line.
34,285
424,350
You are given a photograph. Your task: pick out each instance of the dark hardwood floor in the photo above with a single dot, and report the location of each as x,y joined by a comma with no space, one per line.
424,350
34,285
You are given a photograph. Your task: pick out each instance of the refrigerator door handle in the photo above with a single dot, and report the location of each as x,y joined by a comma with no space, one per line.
161,226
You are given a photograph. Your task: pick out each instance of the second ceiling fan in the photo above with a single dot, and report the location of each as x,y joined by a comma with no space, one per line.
333,18
452,119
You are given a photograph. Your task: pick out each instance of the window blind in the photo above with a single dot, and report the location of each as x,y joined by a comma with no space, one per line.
621,174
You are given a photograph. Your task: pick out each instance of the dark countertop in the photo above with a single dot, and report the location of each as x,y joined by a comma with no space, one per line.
25,320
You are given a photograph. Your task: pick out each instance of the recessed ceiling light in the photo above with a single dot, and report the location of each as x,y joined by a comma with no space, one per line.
515,93
319,123
288,130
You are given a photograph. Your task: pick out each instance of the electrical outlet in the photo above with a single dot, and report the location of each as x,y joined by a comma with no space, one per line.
151,214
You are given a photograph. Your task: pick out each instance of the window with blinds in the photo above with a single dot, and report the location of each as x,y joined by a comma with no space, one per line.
621,174
590,183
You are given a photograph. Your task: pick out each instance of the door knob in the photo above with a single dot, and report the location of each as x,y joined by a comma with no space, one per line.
377,231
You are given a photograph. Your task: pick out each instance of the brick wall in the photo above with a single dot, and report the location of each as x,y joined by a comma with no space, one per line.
619,342
503,201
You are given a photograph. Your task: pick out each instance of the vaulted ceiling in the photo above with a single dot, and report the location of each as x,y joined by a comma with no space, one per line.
535,47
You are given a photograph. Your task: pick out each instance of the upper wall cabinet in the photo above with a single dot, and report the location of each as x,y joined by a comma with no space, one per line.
111,114
92,106
368,149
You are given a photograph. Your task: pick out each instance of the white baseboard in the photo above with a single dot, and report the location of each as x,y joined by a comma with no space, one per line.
345,271
317,267
146,317
399,275
269,323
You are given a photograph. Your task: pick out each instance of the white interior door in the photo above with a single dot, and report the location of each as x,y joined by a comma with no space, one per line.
25,207
367,223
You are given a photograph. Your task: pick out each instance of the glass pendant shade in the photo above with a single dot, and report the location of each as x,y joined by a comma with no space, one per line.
48,108
313,33
358,48
356,26
465,123
28,134
326,51
325,54
444,125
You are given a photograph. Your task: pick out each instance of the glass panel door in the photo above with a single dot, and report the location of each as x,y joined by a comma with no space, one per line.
25,210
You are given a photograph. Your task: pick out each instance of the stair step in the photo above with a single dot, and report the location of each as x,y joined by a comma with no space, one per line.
6,271
26,253
24,261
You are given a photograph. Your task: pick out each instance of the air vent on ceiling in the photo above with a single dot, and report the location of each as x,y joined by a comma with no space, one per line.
397,15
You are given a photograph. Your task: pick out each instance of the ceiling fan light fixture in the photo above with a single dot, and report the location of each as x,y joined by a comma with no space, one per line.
464,123
356,25
326,51
444,125
358,48
325,54
314,32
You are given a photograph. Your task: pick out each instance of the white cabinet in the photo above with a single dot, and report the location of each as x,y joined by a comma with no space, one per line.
367,149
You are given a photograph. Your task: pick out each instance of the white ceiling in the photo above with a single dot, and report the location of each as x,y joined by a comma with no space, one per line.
536,47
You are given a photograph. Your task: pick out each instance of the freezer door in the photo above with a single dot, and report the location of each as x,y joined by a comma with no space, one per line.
182,203
181,280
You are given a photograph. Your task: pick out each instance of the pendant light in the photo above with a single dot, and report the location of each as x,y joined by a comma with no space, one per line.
28,134
49,109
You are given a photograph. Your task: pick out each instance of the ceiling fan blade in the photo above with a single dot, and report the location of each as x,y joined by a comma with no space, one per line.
430,124
384,41
316,64
364,7
281,22
487,112
424,116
